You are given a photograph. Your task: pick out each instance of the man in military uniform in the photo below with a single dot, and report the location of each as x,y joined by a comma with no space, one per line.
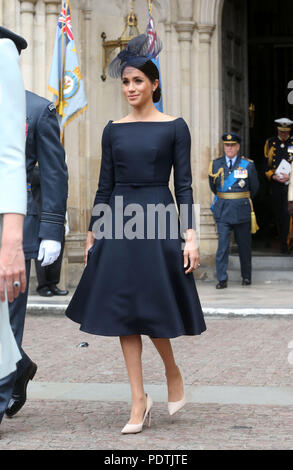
42,235
233,179
290,192
290,205
276,149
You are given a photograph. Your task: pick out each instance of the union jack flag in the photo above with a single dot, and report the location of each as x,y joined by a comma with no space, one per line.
64,22
152,35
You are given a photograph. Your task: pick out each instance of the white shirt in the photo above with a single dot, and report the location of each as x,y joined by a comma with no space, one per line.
228,160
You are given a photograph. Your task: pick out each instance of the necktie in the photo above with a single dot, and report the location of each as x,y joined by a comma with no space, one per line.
230,165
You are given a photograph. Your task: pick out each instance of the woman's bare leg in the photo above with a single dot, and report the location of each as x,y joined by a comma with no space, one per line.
173,375
132,350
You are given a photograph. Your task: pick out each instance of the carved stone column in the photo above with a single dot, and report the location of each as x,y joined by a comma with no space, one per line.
82,164
1,11
185,27
52,12
208,233
8,11
27,12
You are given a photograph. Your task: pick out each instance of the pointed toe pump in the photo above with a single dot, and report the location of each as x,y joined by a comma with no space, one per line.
136,428
174,406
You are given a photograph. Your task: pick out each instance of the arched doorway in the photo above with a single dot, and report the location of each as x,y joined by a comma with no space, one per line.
257,44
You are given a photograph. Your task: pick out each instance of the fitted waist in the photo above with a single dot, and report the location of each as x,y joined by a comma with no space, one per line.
141,183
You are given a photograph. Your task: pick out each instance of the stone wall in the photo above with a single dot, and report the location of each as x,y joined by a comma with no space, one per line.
191,75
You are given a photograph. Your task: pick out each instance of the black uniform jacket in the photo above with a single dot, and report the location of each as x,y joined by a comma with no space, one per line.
43,147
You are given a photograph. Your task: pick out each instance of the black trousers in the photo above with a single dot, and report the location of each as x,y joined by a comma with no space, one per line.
17,311
280,205
49,275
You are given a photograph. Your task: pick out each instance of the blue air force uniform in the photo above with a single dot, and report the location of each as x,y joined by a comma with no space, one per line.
232,209
43,146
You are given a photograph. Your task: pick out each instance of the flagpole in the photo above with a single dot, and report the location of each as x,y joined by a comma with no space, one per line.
63,57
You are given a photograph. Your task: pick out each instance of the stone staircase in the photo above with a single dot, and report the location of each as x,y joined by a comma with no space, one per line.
278,268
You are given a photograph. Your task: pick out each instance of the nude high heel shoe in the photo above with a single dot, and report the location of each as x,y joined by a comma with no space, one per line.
136,428
174,406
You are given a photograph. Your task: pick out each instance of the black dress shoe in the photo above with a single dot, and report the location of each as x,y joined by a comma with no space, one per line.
246,282
222,285
45,292
56,291
18,398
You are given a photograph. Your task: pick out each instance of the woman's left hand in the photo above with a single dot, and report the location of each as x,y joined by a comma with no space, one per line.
191,251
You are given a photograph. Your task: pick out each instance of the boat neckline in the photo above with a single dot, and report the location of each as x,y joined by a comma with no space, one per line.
142,122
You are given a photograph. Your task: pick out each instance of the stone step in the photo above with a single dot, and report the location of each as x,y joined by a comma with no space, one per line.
265,263
259,275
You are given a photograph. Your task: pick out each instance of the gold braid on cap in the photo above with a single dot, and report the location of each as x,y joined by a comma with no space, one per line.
220,173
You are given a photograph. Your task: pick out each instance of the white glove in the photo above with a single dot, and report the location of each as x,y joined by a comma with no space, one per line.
49,250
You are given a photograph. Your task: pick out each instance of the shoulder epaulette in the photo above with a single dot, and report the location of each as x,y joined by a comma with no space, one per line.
248,159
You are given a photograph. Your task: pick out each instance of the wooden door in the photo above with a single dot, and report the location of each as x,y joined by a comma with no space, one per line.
234,67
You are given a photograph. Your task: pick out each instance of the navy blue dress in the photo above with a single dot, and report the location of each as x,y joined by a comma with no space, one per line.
135,284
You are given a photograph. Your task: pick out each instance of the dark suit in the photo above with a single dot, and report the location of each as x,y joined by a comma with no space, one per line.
233,214
46,275
275,151
42,146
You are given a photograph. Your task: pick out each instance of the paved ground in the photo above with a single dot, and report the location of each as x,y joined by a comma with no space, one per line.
233,357
89,425
257,299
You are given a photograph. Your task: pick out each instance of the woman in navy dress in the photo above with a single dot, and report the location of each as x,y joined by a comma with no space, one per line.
138,279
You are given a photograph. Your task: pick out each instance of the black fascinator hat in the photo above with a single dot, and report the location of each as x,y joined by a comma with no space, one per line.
135,54
19,41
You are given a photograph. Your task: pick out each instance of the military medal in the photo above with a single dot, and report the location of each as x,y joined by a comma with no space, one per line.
241,173
241,183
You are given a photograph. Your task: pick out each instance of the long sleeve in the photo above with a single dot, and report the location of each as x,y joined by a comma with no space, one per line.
253,180
183,175
212,180
107,178
13,197
269,152
53,175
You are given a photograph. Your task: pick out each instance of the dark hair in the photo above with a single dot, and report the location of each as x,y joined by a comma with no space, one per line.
152,72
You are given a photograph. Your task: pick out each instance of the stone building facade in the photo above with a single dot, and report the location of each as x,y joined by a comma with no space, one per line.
192,77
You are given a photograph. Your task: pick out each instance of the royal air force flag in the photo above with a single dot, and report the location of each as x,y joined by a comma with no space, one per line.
152,36
65,80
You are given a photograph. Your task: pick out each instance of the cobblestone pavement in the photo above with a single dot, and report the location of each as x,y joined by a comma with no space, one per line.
233,351
87,425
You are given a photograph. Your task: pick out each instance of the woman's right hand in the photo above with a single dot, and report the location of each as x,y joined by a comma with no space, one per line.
12,264
90,240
